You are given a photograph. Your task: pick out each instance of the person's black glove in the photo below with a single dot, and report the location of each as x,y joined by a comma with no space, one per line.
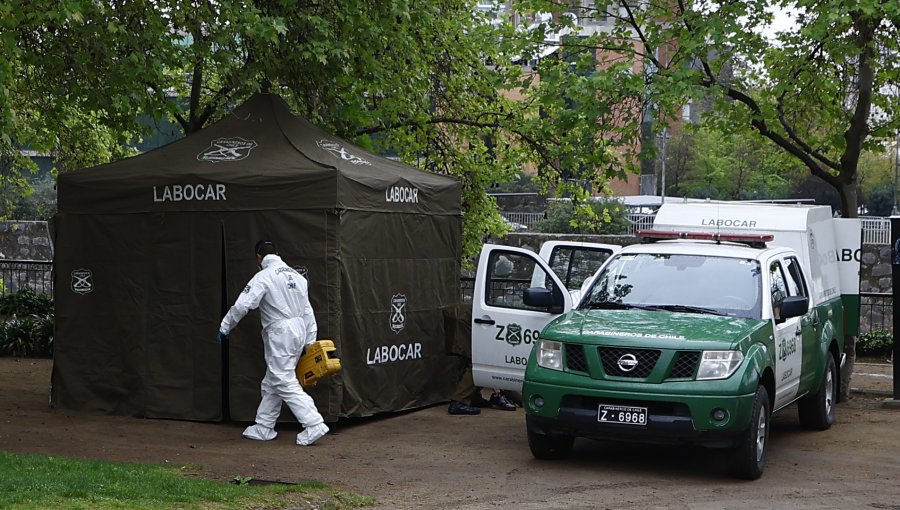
220,337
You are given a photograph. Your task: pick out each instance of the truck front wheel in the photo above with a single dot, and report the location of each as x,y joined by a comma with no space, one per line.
546,447
749,455
817,409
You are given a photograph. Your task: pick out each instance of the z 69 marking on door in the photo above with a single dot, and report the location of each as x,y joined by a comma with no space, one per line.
514,334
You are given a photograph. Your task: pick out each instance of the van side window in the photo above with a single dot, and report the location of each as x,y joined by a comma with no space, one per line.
509,274
778,288
796,282
575,265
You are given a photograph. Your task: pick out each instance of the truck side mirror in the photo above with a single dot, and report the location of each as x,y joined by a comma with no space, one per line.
794,306
540,297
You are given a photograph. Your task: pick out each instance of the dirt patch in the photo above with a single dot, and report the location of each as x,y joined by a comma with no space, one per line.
429,459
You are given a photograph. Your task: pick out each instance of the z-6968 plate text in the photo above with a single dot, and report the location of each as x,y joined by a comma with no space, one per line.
625,415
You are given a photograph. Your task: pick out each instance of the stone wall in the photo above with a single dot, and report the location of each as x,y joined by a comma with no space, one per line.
875,269
25,240
876,312
26,256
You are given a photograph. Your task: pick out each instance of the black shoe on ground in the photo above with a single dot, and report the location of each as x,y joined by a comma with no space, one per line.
479,401
500,401
457,407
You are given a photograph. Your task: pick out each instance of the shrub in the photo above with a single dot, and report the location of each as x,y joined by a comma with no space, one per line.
30,336
879,342
607,216
26,302
27,328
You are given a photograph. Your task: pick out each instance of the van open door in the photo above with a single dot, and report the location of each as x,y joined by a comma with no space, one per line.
504,328
576,263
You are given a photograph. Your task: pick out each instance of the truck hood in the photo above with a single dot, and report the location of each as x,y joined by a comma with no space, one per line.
651,328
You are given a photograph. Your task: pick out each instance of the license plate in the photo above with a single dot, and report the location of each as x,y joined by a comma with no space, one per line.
624,415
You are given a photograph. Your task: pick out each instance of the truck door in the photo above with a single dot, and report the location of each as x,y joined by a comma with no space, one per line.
576,263
788,338
797,286
504,328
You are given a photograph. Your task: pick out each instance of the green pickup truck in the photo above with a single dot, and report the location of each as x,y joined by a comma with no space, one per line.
724,314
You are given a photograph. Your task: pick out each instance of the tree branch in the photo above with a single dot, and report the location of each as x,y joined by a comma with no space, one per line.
792,134
758,122
534,144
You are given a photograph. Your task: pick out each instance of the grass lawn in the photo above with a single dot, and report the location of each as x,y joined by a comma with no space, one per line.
38,482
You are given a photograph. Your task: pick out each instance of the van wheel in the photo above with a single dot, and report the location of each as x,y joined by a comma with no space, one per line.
545,447
749,456
817,410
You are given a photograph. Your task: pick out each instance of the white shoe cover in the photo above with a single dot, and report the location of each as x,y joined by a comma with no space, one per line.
260,433
312,434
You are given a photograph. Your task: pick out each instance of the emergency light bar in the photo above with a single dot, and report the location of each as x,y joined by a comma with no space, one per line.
751,240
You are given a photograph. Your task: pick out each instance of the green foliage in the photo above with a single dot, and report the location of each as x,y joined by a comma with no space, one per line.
27,328
241,480
598,216
876,182
29,336
409,78
26,302
37,203
524,194
880,200
876,168
820,92
879,342
402,77
30,482
726,164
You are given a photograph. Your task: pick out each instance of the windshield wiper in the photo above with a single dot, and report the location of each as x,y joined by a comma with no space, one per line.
687,308
612,305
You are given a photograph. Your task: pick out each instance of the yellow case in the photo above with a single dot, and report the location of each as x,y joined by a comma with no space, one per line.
319,361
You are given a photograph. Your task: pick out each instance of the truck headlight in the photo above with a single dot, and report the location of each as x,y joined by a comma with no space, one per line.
719,364
549,354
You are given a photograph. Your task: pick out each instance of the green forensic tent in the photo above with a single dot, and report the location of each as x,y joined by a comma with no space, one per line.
152,250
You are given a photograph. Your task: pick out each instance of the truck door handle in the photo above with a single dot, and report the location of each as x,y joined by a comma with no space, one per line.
485,321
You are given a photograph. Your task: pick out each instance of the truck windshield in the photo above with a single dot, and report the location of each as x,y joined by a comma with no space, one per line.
683,283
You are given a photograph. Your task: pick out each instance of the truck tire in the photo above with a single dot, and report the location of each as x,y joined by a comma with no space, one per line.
545,447
817,409
749,455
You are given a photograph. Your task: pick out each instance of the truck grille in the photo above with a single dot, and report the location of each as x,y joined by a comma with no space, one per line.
575,359
685,364
611,356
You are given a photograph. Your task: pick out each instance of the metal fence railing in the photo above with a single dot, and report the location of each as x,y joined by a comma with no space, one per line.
523,221
876,230
466,288
639,221
876,311
16,274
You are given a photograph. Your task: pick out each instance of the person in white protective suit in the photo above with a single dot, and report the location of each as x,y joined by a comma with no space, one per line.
289,325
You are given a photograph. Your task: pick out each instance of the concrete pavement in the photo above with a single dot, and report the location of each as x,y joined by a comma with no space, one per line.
877,379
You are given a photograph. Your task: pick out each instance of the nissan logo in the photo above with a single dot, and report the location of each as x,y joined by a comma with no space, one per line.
627,362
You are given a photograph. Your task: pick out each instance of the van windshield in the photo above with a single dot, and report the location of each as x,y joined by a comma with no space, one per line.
683,283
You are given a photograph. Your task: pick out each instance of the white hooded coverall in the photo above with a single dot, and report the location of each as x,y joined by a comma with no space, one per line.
282,296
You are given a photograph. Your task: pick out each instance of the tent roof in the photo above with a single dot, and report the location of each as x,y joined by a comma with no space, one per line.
260,156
